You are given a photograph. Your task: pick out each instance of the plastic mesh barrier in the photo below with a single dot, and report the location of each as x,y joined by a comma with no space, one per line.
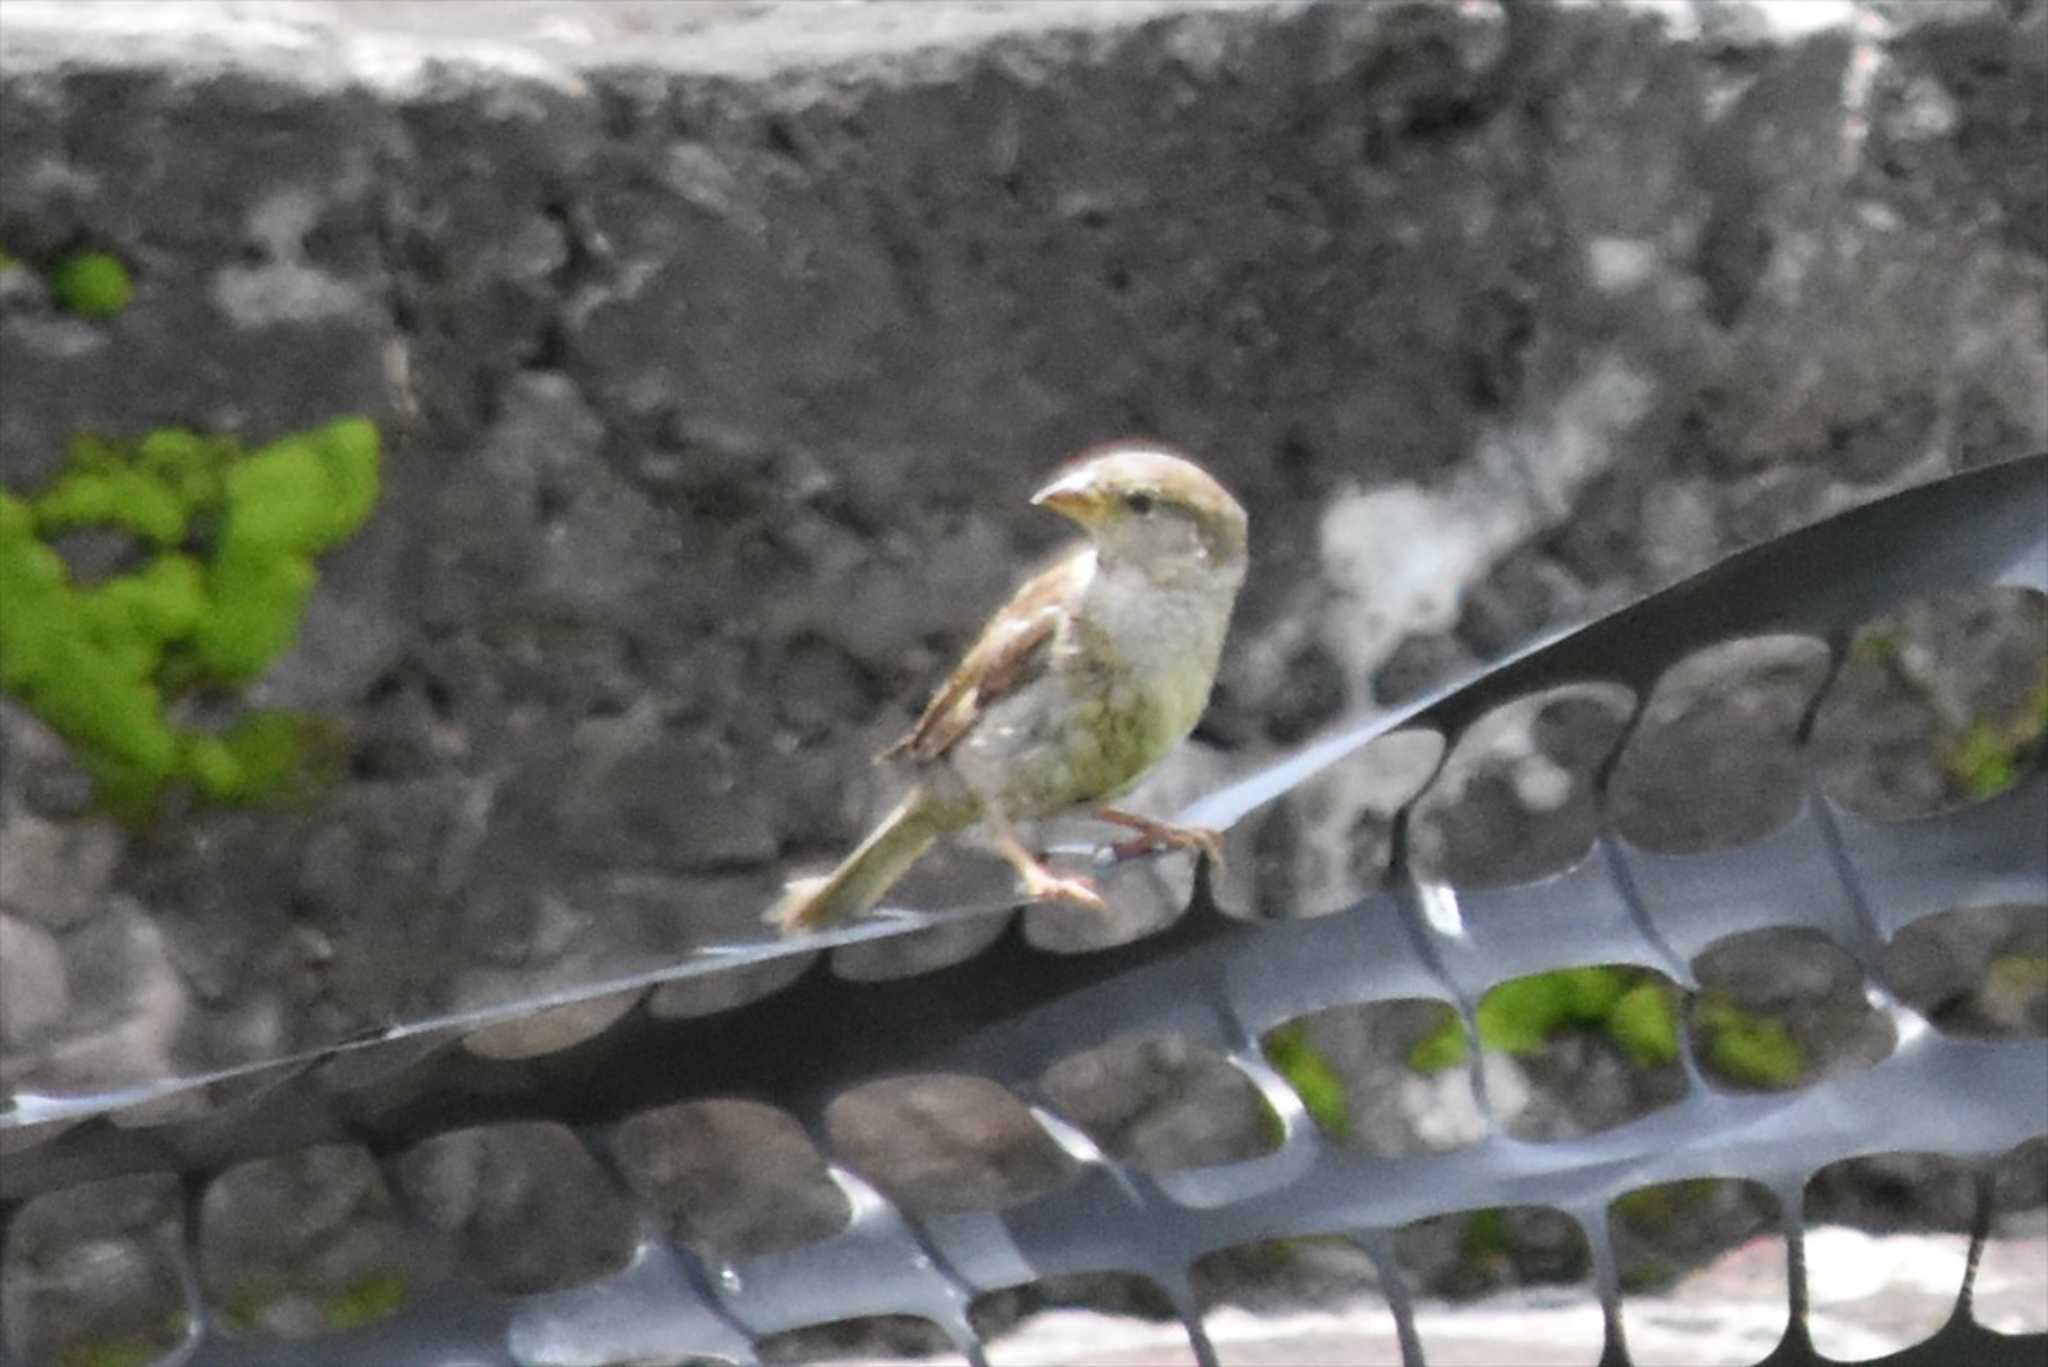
1012,1010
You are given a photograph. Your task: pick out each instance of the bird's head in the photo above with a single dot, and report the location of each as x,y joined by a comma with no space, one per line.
1144,504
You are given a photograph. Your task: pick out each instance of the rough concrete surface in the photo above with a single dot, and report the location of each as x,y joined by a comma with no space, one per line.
717,346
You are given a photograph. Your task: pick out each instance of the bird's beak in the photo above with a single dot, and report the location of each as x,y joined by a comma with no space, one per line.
1072,496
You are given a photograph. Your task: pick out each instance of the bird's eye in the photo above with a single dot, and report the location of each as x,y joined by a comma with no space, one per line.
1140,504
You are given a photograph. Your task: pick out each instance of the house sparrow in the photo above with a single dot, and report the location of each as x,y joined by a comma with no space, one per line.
1095,669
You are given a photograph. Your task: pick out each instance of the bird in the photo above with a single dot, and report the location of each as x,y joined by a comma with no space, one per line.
1093,671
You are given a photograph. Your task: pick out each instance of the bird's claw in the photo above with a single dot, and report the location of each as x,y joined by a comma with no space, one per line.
1155,837
1043,885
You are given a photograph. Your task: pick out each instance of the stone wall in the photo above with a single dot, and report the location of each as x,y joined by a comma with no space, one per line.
717,348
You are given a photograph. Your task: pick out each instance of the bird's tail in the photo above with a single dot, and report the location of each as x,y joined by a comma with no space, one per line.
863,876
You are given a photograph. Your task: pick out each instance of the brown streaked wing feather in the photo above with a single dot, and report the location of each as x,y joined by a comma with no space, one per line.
1010,652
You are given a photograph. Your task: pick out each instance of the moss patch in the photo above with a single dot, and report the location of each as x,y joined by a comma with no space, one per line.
230,537
1986,756
126,1350
1653,1209
1483,1245
1630,1006
1747,1047
1297,1059
91,284
368,1299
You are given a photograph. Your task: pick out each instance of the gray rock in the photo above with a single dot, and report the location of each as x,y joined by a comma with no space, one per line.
1162,1103
524,1205
34,992
1714,762
94,1271
128,1005
735,1179
299,1246
938,1144
1938,704
1517,797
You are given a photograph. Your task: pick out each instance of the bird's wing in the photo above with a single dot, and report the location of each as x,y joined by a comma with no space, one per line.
1013,650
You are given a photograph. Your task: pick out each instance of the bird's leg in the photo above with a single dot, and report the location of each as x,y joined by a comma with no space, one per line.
1041,884
1154,836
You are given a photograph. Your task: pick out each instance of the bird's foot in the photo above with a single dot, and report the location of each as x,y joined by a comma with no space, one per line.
1155,837
1041,884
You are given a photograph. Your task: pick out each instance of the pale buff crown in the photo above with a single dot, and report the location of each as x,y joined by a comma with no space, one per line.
1134,496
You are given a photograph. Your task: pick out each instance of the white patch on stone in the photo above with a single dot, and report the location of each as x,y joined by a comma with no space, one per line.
1541,784
1926,110
1374,783
1507,1086
35,991
1444,1109
1757,20
1680,530
283,289
136,1047
1808,17
60,338
1400,556
1619,264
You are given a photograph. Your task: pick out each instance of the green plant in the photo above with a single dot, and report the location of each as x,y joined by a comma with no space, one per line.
1644,1024
1875,647
91,284
1483,1246
1652,1208
228,537
2013,983
370,1297
253,1295
1522,1015
1984,758
125,1350
1289,1049
1746,1046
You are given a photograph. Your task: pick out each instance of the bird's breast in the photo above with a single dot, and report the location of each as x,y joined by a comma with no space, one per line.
1160,647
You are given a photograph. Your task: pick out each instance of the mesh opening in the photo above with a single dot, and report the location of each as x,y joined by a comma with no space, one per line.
861,1338
1876,1280
1327,843
1697,1252
730,1179
1390,1078
93,1273
1976,972
1576,1050
304,1244
1161,1102
2011,1290
1714,760
1940,703
1533,1261
1780,1009
942,1144
1517,796
525,1206
1050,1319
